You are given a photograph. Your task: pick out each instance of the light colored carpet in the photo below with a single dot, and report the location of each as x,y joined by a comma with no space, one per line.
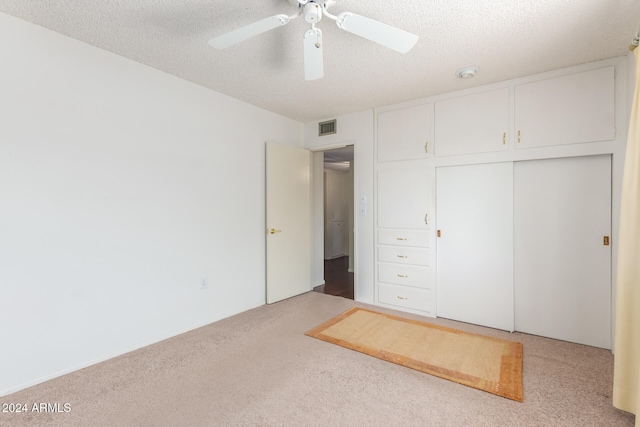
259,369
486,363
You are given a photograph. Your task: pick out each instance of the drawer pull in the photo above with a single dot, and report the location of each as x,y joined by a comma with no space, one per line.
402,256
404,276
401,297
401,238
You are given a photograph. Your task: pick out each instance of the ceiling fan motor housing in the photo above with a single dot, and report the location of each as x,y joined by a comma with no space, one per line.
312,12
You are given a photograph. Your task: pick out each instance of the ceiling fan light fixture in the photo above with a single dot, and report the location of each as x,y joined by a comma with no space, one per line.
467,72
312,12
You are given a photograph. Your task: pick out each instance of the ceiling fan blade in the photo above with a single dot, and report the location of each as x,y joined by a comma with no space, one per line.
249,31
313,64
386,35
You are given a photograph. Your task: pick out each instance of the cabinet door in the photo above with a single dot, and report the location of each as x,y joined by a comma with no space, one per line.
407,275
472,124
562,210
404,255
405,297
404,134
566,110
403,198
475,248
403,238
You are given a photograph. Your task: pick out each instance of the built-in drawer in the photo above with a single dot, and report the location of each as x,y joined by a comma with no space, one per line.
408,275
404,296
404,255
404,238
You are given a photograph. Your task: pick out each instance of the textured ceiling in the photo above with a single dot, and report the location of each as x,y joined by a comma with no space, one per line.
505,38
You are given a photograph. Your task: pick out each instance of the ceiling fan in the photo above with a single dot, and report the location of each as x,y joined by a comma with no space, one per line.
313,10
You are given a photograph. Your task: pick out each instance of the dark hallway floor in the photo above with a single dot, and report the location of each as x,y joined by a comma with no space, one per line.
338,281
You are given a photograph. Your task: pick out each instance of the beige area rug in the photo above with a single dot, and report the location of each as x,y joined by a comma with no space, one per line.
490,364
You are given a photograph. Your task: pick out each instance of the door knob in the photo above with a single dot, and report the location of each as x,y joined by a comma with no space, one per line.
274,231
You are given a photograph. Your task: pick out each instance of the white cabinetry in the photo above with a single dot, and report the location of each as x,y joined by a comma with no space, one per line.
405,297
470,124
398,254
566,110
405,274
404,244
403,198
404,134
521,170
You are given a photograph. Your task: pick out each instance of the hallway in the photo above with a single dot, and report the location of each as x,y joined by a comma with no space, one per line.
338,280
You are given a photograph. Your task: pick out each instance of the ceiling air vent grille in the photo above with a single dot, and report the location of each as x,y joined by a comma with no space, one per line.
327,128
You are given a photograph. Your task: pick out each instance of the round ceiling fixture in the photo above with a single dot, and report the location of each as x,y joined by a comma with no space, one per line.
467,72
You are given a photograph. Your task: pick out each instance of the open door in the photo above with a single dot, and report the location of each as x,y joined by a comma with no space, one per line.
288,211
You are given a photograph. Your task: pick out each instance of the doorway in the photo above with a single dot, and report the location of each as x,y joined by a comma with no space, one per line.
338,212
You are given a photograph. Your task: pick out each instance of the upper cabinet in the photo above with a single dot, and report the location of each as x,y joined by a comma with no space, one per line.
403,198
470,124
566,110
404,134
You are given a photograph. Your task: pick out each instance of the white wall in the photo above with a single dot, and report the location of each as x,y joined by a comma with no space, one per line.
336,205
352,129
121,188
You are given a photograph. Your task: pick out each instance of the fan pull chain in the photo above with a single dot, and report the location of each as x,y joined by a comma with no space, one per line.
313,27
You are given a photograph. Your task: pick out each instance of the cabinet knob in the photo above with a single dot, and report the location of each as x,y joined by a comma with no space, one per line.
519,139
402,256
426,147
401,297
504,138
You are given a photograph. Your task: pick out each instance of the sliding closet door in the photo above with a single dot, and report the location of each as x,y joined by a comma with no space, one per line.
562,213
475,247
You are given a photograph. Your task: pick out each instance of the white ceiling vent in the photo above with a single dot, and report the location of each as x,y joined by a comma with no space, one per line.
327,128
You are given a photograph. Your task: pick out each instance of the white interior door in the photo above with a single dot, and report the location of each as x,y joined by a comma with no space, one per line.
288,212
475,248
562,211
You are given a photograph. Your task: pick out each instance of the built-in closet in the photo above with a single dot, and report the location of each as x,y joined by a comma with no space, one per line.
525,246
494,204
